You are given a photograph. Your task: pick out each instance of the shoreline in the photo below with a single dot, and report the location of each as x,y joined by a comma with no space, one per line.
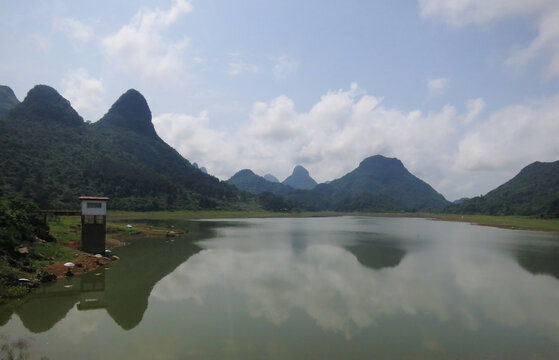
503,222
119,234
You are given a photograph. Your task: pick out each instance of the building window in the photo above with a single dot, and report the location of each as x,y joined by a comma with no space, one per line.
94,205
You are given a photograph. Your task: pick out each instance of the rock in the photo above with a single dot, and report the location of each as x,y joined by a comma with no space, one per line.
46,277
28,269
23,250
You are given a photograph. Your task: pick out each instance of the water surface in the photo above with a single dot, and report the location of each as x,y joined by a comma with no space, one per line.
312,288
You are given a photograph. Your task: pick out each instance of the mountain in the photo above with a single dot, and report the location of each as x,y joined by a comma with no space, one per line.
534,191
247,180
202,169
271,178
8,100
300,179
130,112
384,180
45,104
51,156
460,201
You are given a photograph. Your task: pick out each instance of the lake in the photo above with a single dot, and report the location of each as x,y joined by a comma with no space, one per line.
306,288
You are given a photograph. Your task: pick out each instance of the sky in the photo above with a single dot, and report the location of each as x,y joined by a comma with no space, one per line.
465,93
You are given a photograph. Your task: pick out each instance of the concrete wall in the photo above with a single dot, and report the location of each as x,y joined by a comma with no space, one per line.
89,207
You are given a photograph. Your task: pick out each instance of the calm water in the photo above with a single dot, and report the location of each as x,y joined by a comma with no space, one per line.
317,288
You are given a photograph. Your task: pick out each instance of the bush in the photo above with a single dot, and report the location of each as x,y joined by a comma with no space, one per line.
20,221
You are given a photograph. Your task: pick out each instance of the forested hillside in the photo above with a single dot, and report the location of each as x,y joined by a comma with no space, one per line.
534,191
51,156
381,184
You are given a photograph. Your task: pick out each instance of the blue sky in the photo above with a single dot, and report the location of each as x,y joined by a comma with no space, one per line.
465,93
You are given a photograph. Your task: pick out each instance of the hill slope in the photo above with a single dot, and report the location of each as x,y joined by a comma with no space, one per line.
534,191
51,157
8,100
385,179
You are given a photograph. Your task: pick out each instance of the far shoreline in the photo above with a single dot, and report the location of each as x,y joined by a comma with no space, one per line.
503,222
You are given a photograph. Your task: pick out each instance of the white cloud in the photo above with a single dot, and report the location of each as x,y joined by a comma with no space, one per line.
547,42
238,67
74,29
458,153
142,48
542,14
284,66
512,137
85,93
475,107
479,12
437,86
193,137
41,42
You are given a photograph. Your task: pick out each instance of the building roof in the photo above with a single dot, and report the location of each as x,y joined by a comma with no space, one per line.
98,198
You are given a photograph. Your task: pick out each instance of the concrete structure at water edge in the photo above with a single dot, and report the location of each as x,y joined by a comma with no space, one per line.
94,223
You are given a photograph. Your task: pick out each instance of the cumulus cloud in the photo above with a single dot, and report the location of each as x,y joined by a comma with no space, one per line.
460,153
194,138
284,66
330,139
41,42
141,46
437,86
85,92
238,67
512,136
74,29
542,14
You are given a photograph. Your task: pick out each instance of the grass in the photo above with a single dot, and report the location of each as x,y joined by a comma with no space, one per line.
66,229
507,222
55,251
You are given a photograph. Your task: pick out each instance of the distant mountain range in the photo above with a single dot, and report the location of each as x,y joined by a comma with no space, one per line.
378,184
51,156
247,180
271,178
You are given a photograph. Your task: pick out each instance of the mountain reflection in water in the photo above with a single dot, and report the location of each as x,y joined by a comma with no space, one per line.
122,288
335,288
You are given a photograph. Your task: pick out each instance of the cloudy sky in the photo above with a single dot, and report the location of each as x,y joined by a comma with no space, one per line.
464,92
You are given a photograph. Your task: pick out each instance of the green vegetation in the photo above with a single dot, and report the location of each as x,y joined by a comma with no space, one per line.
507,222
8,100
66,229
23,231
51,252
51,156
378,184
20,222
534,191
247,180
